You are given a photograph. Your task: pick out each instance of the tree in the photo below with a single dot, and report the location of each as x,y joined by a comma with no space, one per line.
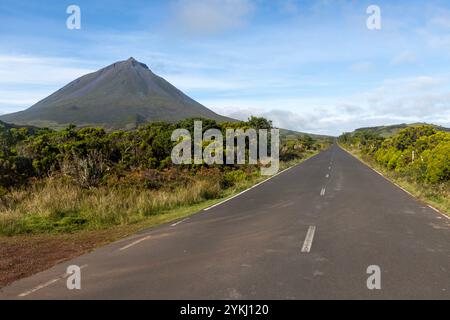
259,123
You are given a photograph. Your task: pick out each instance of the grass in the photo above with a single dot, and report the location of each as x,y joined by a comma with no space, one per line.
436,195
59,207
56,207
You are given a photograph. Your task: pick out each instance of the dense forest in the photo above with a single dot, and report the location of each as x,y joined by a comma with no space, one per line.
418,155
77,178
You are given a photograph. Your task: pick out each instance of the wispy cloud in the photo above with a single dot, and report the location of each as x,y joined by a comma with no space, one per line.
414,99
362,67
26,79
21,69
440,18
204,17
405,57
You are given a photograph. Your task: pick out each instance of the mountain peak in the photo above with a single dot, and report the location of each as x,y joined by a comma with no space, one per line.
132,62
114,97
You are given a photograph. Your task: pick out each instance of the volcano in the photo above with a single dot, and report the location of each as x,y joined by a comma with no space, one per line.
123,95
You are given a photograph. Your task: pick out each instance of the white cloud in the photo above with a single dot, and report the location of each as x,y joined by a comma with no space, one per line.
211,16
410,85
443,22
187,83
362,67
402,100
37,70
405,57
440,19
289,6
27,79
435,31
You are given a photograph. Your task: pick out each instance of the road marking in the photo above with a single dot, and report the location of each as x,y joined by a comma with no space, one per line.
135,243
256,185
179,222
438,211
394,183
433,208
309,239
39,287
404,190
47,284
322,192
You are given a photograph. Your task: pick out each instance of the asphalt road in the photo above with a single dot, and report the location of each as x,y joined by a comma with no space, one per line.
308,233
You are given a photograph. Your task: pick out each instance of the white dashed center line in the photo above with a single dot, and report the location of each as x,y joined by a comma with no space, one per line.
309,239
322,192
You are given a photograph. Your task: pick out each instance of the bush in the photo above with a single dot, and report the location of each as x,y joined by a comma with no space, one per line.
232,178
87,171
421,153
438,164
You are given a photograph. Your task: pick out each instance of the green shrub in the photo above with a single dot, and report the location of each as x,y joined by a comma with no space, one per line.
233,178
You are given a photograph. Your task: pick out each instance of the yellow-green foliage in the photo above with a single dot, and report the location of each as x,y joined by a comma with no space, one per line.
418,158
419,152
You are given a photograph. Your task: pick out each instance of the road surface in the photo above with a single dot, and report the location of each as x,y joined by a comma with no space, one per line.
309,233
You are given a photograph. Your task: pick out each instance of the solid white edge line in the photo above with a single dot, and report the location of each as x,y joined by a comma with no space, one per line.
395,184
179,222
256,185
135,243
438,211
44,285
39,287
307,244
405,190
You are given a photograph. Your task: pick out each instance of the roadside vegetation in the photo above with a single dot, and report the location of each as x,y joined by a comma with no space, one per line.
417,158
57,182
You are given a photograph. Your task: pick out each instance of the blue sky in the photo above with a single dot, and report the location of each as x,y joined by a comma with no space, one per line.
308,65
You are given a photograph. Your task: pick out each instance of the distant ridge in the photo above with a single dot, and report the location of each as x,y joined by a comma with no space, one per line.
123,95
387,131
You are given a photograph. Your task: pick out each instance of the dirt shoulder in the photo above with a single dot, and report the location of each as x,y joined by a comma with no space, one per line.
23,256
